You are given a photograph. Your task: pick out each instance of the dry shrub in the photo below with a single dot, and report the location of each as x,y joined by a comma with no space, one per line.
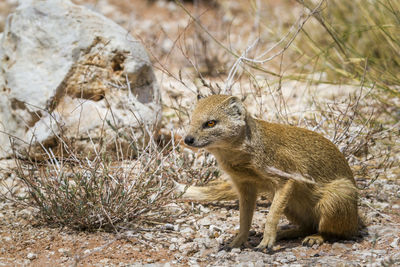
354,126
200,44
103,194
357,42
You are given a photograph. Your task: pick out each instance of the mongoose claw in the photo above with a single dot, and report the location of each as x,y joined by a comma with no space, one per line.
262,249
238,242
313,240
267,242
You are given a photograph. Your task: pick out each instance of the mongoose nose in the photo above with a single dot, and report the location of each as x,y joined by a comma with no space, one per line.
189,140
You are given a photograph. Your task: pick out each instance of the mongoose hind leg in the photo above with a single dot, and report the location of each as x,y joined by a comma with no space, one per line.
292,233
338,214
311,240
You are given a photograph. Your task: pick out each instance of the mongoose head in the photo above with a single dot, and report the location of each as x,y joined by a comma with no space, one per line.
217,121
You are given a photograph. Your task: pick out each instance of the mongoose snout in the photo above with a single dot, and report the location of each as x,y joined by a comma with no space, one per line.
189,140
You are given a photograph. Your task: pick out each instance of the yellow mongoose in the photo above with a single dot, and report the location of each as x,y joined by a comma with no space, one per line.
307,177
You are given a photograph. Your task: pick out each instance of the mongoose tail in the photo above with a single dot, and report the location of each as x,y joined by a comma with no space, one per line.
219,190
223,189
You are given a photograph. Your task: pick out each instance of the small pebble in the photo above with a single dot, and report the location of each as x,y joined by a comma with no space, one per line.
169,226
284,261
291,257
235,250
31,256
395,243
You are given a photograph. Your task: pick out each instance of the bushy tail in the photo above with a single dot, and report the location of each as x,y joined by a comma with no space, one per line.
338,208
214,191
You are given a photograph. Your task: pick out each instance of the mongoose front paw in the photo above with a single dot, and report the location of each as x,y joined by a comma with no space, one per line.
228,246
237,242
267,242
262,249
313,240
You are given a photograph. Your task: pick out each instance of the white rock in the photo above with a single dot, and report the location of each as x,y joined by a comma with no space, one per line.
235,250
63,250
291,257
379,251
148,236
395,243
188,248
204,221
64,63
187,230
214,228
204,209
31,256
169,226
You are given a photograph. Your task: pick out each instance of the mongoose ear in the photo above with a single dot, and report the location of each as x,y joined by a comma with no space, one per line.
236,107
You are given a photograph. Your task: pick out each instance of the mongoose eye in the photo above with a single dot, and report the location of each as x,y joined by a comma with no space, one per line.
209,124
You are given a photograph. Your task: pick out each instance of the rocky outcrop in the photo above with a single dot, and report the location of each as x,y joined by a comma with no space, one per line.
69,72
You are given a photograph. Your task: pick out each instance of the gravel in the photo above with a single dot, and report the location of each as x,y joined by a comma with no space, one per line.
31,256
195,239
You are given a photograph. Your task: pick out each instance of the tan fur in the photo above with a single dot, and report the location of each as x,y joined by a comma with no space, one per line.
214,191
308,178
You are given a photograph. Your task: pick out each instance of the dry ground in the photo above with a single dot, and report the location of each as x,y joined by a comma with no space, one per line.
195,236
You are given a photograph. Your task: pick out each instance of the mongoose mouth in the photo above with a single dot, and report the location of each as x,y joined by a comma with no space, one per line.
199,146
190,141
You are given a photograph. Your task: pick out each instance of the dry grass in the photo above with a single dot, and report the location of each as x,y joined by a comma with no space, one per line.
351,41
100,193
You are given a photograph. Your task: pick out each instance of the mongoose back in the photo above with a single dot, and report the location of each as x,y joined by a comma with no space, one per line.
306,176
